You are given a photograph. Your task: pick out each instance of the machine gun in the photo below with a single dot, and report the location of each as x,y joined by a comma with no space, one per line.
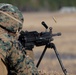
39,39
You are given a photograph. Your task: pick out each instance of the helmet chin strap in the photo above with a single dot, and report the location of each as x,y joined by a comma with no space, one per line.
11,17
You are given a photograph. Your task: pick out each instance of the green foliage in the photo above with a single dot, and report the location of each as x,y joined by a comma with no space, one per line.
35,5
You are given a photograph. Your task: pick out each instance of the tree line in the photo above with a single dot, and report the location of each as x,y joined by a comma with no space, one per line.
40,5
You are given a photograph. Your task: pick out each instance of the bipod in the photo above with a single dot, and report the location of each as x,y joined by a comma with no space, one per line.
52,45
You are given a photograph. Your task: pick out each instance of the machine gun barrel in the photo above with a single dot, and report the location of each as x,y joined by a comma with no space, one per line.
57,34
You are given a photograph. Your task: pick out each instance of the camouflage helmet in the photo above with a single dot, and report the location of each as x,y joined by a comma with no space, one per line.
11,18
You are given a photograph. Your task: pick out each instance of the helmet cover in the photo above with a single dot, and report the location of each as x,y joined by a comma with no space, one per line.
10,17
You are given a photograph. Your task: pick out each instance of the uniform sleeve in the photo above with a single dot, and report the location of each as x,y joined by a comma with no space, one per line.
4,47
17,62
20,64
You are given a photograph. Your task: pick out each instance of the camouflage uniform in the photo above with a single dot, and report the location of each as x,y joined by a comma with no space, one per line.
12,54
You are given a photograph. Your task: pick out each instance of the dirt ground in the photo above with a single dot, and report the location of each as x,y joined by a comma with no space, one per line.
66,43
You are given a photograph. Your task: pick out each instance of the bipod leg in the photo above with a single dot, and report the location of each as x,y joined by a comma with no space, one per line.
41,56
52,45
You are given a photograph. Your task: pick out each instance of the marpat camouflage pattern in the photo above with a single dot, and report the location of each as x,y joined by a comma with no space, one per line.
12,54
15,57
